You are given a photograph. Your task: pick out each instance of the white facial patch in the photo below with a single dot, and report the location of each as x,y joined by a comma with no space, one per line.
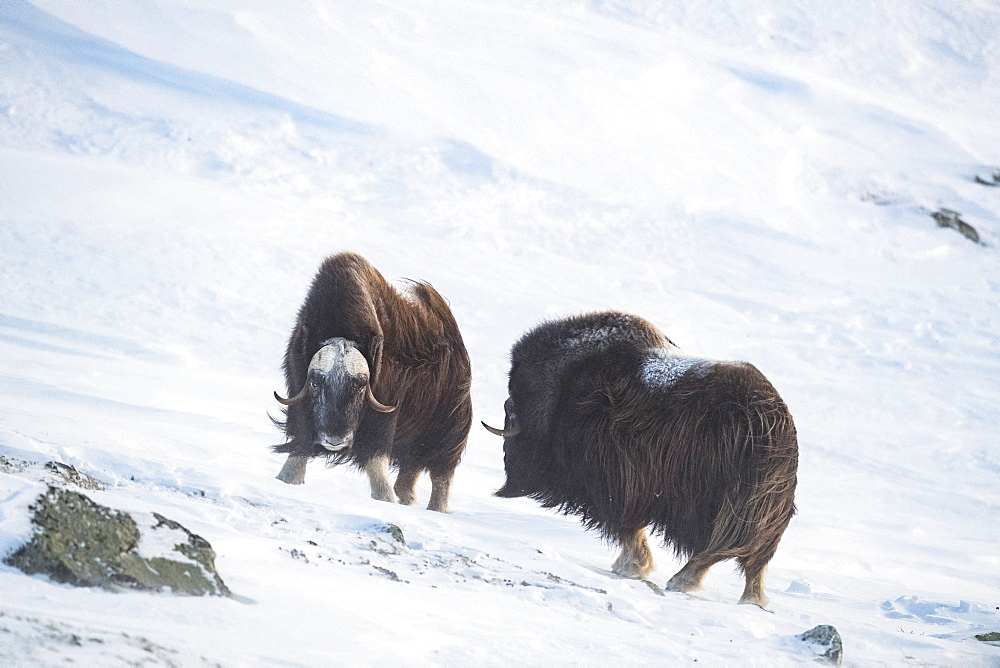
340,354
663,368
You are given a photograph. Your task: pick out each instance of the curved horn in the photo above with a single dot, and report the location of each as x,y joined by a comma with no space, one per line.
374,403
297,399
506,433
375,352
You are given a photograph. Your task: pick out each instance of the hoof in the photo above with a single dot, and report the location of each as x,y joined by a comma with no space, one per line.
630,571
439,509
291,481
294,470
682,583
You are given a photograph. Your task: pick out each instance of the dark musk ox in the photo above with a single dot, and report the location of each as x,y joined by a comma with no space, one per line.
357,338
607,421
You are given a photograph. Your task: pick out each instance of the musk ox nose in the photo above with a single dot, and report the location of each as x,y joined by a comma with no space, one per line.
333,444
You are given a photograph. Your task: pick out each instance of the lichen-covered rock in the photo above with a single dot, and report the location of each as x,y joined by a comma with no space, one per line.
81,543
826,642
395,532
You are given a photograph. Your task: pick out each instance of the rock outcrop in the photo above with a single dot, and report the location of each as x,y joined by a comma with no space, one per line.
79,542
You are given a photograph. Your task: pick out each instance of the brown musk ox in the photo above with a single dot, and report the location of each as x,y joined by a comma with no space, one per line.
607,421
356,338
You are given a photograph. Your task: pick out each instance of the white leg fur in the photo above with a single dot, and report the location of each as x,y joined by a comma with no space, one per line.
440,493
294,470
753,593
636,559
406,485
377,469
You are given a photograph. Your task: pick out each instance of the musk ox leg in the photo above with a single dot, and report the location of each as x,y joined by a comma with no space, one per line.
440,491
690,577
377,469
294,470
406,484
753,593
753,563
636,559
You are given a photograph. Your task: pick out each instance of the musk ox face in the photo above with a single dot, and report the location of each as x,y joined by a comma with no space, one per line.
517,459
336,382
336,390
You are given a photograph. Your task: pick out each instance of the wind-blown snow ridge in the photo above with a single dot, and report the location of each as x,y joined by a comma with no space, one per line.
32,29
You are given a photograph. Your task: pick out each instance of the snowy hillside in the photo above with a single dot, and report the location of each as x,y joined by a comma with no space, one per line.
756,178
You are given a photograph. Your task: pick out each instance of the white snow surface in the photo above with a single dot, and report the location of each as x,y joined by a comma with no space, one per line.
755,178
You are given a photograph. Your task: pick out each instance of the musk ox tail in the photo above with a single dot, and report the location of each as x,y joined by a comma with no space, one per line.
757,506
755,513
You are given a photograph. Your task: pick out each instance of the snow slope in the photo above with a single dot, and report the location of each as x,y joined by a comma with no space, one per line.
756,178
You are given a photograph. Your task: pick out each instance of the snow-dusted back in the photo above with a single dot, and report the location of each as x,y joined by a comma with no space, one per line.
664,367
754,178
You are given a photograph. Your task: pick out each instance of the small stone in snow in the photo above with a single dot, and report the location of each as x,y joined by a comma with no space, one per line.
827,638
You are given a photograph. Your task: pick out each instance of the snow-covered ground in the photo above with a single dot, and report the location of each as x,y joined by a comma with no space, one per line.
756,178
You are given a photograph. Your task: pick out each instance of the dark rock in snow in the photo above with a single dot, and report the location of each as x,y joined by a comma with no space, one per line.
654,588
81,543
72,476
993,636
994,182
826,639
395,532
952,219
11,465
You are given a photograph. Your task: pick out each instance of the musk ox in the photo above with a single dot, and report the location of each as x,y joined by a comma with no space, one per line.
607,421
376,377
